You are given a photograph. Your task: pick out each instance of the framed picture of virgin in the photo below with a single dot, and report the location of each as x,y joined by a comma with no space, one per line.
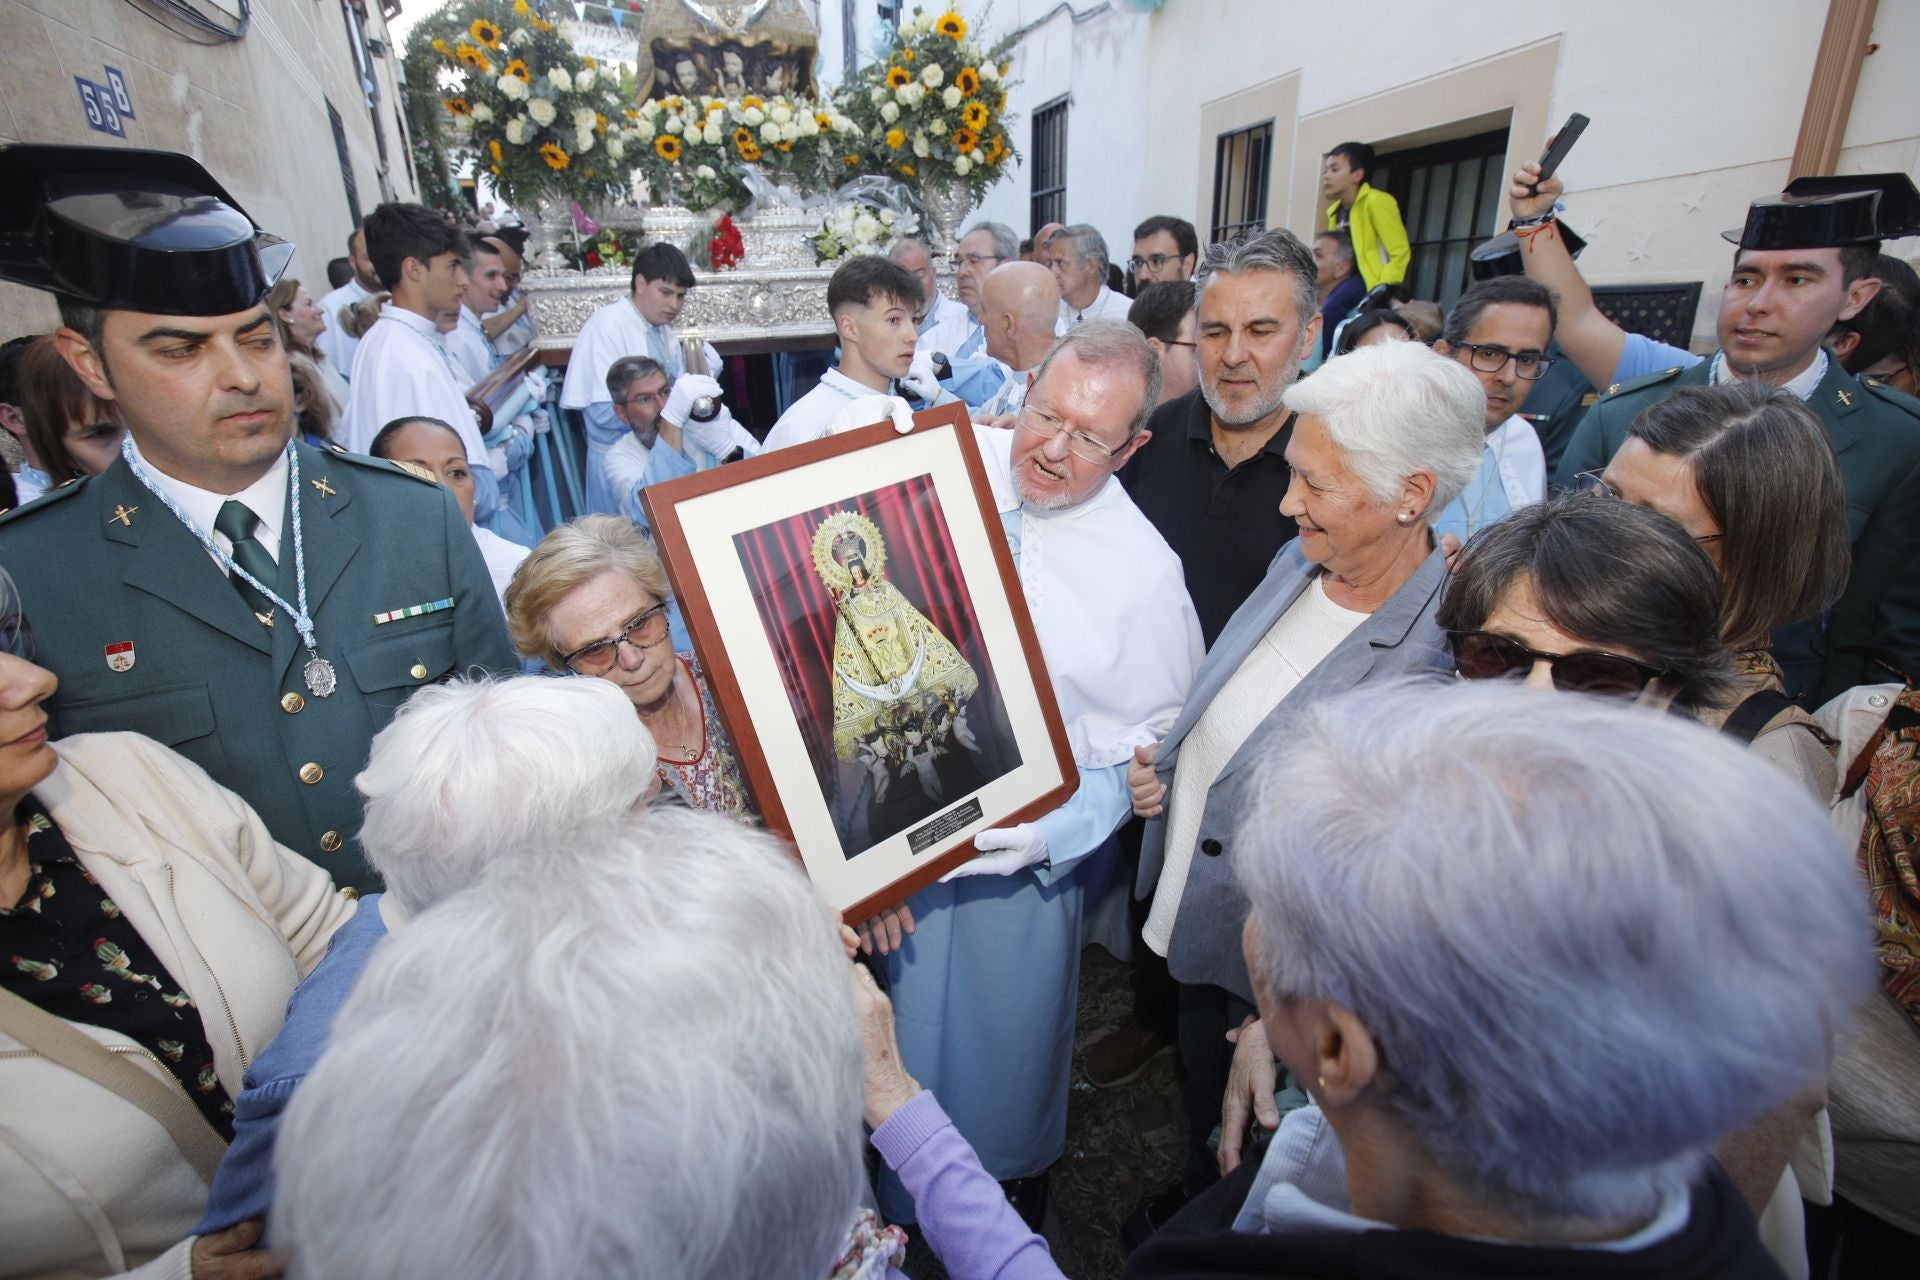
858,614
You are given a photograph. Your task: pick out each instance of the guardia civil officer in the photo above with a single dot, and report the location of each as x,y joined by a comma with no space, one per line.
258,605
1804,260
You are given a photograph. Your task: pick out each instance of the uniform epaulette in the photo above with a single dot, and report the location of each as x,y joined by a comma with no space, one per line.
58,493
383,464
1892,395
1644,380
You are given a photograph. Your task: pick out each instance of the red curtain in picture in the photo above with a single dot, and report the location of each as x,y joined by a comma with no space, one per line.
798,614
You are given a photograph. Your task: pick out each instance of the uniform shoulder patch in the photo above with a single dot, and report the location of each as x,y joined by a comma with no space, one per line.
391,468
1898,399
1632,385
59,493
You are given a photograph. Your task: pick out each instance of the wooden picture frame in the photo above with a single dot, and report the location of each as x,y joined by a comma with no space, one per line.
929,715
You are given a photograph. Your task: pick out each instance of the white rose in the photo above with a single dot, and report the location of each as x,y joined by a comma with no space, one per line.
962,165
616,148
560,80
789,132
520,36
920,146
769,132
989,71
482,113
782,113
584,119
937,127
582,142
974,155
877,95
650,109
808,126
644,131
889,112
753,116
711,135
887,216
584,80
517,130
866,226
950,96
542,112
923,22
704,171
675,124
514,87
932,76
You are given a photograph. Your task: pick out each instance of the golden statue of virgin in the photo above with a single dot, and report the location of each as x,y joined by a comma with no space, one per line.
885,652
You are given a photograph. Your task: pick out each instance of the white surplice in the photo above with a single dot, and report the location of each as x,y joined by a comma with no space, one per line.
401,370
615,330
809,417
334,339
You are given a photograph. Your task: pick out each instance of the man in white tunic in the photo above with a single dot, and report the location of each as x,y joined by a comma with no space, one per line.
1078,255
942,324
1500,330
486,286
640,324
984,991
871,300
403,368
334,340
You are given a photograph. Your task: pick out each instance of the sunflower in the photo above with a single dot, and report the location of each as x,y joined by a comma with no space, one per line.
952,26
974,116
909,55
538,24
443,47
517,67
967,82
824,120
521,8
599,123
898,77
852,162
592,65
964,139
907,169
456,106
996,149
469,56
749,150
750,101
783,146
667,147
743,137
896,138
499,156
485,32
554,156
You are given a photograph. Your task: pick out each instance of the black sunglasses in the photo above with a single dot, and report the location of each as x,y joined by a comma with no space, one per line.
1486,655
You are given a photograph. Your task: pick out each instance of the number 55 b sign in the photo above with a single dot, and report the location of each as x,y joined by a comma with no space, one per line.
107,106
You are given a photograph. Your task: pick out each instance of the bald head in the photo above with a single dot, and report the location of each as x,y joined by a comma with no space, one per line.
913,255
1020,303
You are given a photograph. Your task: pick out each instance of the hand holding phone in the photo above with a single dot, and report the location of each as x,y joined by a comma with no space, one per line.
1558,146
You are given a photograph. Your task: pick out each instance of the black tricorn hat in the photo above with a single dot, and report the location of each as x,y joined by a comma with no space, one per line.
130,229
1500,256
1832,212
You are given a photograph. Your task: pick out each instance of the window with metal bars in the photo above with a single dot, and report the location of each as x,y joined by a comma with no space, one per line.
1450,195
1242,161
346,162
1049,164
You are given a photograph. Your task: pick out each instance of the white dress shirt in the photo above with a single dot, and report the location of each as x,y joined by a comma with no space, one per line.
1106,305
265,497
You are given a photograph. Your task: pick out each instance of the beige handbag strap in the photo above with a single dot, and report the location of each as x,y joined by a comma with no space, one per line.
60,1042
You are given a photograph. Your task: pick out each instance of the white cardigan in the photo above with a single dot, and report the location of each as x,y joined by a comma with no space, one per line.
92,1185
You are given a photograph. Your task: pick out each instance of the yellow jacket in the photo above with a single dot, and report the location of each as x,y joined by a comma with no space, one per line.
1379,237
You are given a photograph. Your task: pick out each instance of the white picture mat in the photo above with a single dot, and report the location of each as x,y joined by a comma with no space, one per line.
710,523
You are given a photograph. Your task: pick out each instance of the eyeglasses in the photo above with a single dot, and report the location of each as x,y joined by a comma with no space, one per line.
1485,358
1595,483
646,397
1175,342
643,632
1081,445
977,259
1153,261
1486,655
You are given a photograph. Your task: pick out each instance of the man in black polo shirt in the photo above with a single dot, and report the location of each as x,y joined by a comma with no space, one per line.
1212,476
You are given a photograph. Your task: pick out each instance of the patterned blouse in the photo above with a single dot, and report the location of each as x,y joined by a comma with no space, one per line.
712,779
66,948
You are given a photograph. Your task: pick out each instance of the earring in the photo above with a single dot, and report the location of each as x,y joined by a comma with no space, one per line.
1323,1081
1405,516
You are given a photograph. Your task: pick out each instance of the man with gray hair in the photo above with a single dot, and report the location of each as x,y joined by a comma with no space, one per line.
1079,260
638,385
987,985
942,323
466,776
984,248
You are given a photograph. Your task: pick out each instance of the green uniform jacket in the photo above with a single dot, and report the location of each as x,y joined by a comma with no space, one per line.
1875,432
207,679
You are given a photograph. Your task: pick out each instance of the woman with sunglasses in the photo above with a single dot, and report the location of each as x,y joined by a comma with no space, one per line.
1749,474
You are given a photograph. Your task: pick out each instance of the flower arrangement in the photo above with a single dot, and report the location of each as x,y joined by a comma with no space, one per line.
691,150
860,226
725,248
543,120
934,112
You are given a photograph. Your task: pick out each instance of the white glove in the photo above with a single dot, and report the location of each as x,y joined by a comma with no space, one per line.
1002,852
921,382
687,388
868,410
717,437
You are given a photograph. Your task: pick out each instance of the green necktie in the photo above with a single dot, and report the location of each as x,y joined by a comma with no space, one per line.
237,522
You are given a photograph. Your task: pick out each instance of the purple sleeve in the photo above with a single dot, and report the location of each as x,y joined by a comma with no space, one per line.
966,1218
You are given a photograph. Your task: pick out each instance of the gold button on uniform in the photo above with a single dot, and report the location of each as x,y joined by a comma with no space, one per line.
330,842
311,773
292,703
419,671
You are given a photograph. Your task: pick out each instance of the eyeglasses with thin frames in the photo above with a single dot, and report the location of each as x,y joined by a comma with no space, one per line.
642,632
1595,483
1486,358
1081,445
976,259
1153,261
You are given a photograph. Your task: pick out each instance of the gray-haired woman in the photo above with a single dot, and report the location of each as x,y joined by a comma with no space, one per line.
1385,437
1531,958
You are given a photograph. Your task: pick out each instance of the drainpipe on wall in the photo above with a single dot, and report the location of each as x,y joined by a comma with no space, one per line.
1844,46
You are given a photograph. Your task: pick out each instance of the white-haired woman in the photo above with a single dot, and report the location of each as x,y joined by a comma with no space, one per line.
652,1068
466,776
1385,437
1530,958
